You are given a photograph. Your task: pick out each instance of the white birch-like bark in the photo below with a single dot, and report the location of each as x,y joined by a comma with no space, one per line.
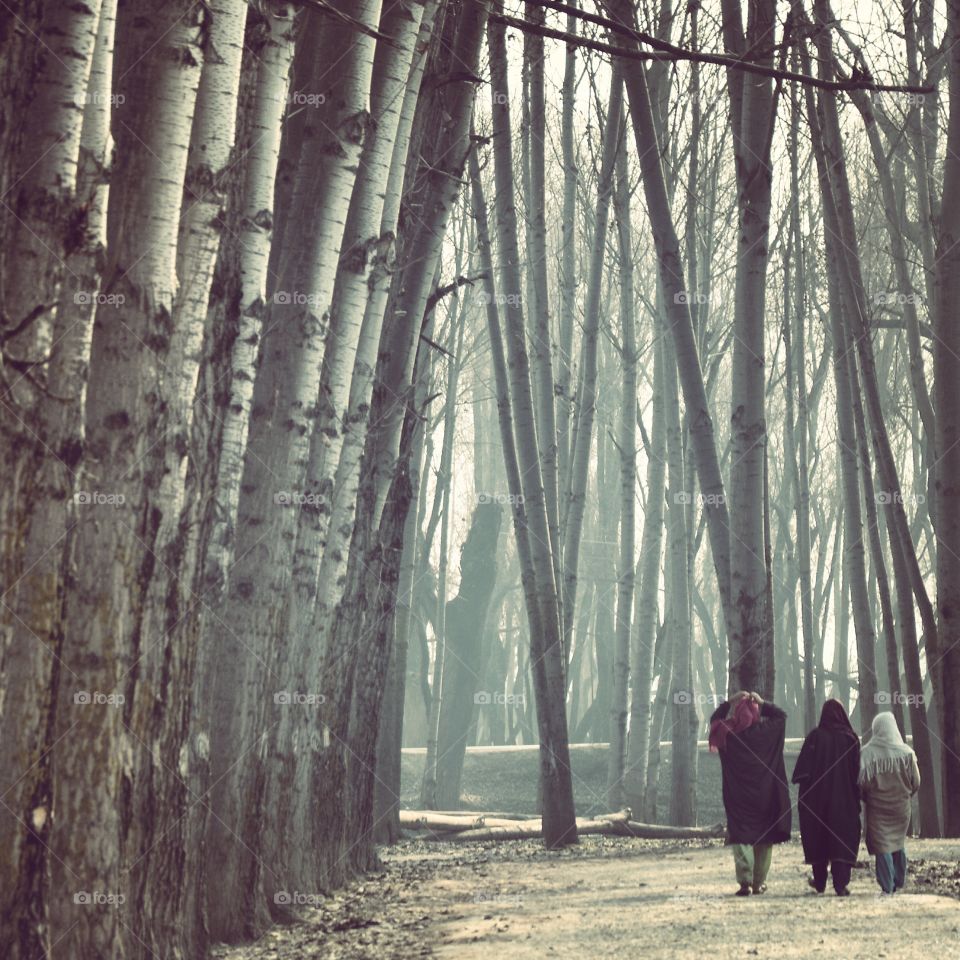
44,195
46,220
442,156
367,247
260,153
33,625
428,196
340,433
94,754
251,638
211,145
156,840
356,421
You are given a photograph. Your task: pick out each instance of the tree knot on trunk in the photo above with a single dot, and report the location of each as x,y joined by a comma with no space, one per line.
118,420
359,255
245,589
262,219
355,128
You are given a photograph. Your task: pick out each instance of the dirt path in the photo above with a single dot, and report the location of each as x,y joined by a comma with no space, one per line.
679,905
616,898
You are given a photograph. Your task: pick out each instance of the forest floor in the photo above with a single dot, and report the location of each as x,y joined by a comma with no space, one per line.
615,897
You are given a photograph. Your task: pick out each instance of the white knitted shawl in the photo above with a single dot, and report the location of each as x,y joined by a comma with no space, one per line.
886,750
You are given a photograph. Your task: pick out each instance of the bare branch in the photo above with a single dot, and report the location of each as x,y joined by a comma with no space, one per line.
668,51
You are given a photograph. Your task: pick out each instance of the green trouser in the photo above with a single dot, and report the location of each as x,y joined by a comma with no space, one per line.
752,862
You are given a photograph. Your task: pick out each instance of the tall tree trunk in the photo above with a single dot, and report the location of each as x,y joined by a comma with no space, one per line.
431,187
752,105
245,292
47,216
845,256
568,255
587,395
647,619
109,664
63,168
627,442
329,520
250,633
336,442
898,252
375,568
156,843
504,408
682,706
390,740
892,696
354,333
543,378
547,652
661,705
435,182
946,354
799,428
602,565
672,277
854,554
839,219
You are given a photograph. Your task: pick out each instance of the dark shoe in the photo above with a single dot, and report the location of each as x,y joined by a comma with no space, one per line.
744,890
813,883
843,893
760,888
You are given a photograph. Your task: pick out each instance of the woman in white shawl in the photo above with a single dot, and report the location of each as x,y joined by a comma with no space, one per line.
889,777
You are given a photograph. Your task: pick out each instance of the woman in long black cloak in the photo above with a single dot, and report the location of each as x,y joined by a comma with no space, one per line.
829,804
748,734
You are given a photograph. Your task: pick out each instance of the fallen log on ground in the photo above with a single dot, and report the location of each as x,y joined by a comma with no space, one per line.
646,831
534,828
609,826
659,831
442,823
475,814
451,822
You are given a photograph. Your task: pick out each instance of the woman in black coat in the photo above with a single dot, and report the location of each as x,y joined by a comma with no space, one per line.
829,804
748,734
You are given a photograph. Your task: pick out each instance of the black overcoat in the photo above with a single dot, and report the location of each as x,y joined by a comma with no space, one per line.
829,802
755,794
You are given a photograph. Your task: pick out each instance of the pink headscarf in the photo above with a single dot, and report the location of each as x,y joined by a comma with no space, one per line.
745,714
